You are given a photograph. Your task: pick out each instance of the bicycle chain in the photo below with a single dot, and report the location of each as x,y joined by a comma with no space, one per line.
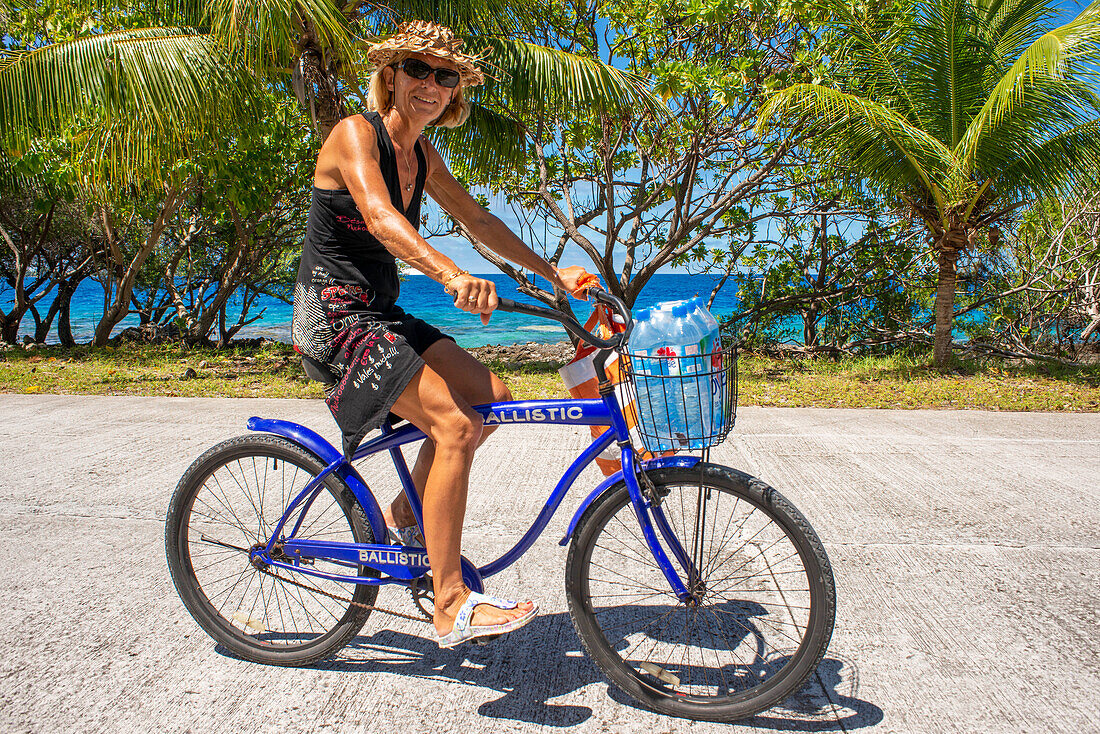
337,597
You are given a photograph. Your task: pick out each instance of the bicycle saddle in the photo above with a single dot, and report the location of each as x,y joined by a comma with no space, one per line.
318,371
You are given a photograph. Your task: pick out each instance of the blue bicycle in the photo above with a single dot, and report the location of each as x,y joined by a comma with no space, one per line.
697,589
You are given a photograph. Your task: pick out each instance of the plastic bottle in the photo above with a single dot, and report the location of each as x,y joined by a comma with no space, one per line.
707,411
681,385
654,341
685,330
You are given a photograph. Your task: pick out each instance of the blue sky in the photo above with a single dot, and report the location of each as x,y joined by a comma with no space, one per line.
466,258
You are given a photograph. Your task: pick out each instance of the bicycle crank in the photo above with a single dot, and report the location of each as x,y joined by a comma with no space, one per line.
423,596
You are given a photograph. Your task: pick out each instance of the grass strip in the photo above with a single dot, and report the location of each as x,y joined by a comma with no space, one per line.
273,370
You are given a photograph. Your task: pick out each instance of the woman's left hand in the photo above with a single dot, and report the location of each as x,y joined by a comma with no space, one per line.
473,294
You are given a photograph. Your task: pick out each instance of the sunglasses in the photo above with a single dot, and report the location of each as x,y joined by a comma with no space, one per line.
417,69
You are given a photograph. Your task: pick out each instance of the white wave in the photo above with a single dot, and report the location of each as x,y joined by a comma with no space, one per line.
539,327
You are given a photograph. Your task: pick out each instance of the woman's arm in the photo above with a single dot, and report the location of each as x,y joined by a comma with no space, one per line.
349,159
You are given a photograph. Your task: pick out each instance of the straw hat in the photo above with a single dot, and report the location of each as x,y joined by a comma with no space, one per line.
422,36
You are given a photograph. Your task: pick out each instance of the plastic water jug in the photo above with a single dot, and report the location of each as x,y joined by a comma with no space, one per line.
678,398
679,380
710,386
659,411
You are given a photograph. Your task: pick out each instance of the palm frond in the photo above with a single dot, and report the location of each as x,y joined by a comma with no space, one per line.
266,34
870,51
1012,25
526,77
487,144
189,13
118,154
866,135
1072,49
169,83
486,17
1055,165
945,68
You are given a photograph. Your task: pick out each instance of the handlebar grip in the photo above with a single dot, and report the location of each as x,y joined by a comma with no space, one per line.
507,304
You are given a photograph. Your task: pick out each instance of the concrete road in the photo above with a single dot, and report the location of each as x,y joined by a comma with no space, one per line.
966,549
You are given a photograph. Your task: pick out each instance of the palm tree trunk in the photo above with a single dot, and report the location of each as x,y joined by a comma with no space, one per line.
315,87
945,305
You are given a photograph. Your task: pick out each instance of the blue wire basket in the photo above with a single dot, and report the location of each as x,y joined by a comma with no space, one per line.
682,403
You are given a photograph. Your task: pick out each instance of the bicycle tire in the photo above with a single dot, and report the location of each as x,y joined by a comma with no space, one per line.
216,512
658,650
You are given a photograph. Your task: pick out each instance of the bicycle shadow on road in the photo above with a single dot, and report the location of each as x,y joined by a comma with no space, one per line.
544,661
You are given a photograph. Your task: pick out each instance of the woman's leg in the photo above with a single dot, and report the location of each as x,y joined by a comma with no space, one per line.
476,384
434,406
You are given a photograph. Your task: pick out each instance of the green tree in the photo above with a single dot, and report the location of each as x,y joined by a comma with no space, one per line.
639,190
141,89
46,236
1039,285
961,110
242,230
836,265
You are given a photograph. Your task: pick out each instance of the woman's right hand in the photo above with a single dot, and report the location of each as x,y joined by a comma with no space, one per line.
575,281
474,295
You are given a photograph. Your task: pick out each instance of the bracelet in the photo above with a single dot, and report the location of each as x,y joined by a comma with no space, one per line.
446,280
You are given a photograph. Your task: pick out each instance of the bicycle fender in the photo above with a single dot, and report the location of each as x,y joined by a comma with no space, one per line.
299,434
659,463
328,454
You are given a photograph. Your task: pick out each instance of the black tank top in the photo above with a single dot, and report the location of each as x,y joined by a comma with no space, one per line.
339,249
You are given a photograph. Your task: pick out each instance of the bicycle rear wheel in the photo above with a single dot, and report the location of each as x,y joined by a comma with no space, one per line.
229,501
766,600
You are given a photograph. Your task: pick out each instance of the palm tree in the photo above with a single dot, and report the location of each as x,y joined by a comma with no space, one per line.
962,110
147,96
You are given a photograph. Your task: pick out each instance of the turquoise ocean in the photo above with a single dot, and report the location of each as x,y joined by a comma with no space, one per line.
425,298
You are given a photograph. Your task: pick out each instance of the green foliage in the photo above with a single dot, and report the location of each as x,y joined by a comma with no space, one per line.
1038,288
961,111
959,108
836,277
242,227
150,83
637,188
265,35
133,96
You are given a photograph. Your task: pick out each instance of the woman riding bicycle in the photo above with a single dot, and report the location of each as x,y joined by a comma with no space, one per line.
370,176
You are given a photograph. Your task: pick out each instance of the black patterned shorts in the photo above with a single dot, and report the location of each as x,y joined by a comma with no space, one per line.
372,355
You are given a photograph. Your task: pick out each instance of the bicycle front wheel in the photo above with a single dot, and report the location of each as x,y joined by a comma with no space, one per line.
764,596
228,502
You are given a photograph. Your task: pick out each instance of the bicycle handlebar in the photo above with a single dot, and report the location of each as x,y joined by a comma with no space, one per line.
571,325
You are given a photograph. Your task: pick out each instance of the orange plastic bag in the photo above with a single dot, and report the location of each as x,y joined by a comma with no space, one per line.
580,379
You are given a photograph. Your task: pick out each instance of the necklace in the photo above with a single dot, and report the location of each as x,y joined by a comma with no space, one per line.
409,181
409,168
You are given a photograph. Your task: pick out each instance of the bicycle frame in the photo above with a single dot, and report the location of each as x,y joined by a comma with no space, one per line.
401,564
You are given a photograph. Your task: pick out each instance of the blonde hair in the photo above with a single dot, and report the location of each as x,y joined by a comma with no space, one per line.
380,99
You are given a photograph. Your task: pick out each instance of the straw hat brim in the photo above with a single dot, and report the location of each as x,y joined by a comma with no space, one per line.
383,53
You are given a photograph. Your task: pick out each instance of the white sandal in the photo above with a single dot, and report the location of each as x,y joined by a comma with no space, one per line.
464,631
